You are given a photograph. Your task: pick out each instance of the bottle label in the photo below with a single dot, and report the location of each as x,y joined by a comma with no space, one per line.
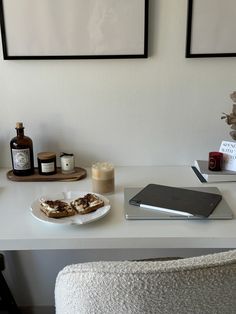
21,159
48,167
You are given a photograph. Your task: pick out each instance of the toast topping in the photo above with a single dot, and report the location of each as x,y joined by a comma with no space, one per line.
82,205
57,209
88,203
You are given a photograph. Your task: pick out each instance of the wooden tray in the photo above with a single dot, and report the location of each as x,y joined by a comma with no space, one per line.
79,174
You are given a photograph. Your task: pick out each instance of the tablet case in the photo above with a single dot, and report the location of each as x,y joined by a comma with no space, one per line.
176,200
222,211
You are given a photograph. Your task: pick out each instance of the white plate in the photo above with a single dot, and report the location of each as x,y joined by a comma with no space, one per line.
76,219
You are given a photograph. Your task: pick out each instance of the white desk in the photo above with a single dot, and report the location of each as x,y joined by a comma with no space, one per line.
19,230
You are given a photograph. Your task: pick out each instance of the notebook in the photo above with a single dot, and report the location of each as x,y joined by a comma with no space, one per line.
221,211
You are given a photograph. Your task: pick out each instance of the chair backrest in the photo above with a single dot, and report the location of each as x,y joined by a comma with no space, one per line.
201,285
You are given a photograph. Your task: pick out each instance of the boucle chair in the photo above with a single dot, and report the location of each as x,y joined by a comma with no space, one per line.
197,285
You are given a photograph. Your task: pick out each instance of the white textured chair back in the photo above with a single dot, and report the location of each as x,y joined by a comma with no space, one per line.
198,285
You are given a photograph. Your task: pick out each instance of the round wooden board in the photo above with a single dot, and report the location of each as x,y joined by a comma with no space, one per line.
79,174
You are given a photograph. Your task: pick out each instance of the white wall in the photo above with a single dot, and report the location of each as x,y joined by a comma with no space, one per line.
162,110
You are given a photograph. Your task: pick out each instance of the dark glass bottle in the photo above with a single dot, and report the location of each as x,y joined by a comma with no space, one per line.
22,153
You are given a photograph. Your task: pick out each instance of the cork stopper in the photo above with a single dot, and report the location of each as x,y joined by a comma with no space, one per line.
19,125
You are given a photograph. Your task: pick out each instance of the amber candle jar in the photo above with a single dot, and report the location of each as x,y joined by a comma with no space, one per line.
47,163
103,177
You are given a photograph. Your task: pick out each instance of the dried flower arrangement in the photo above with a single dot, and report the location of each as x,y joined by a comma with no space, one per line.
231,118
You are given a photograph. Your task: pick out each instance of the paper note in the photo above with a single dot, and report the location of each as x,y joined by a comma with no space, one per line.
229,151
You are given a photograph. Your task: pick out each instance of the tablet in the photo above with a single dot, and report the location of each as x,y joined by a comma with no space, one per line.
221,212
179,201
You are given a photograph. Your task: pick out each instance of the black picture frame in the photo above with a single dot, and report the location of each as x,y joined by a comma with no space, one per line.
131,40
207,26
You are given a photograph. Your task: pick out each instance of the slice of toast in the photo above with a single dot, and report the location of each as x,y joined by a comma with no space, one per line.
87,204
57,209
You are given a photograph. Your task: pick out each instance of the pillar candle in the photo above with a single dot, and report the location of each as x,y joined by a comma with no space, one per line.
103,177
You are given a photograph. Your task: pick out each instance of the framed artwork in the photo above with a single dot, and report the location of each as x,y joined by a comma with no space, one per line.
74,29
211,28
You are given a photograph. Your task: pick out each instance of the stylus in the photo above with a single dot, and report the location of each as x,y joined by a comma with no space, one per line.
166,210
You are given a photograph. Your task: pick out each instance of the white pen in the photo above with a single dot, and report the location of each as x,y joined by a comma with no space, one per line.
166,210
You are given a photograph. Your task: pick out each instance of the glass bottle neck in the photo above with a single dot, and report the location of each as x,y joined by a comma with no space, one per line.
20,132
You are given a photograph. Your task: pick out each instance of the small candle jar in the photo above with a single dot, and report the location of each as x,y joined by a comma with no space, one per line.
47,163
67,163
103,177
215,161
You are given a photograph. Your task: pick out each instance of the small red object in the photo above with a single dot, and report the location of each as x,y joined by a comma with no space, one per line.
215,161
